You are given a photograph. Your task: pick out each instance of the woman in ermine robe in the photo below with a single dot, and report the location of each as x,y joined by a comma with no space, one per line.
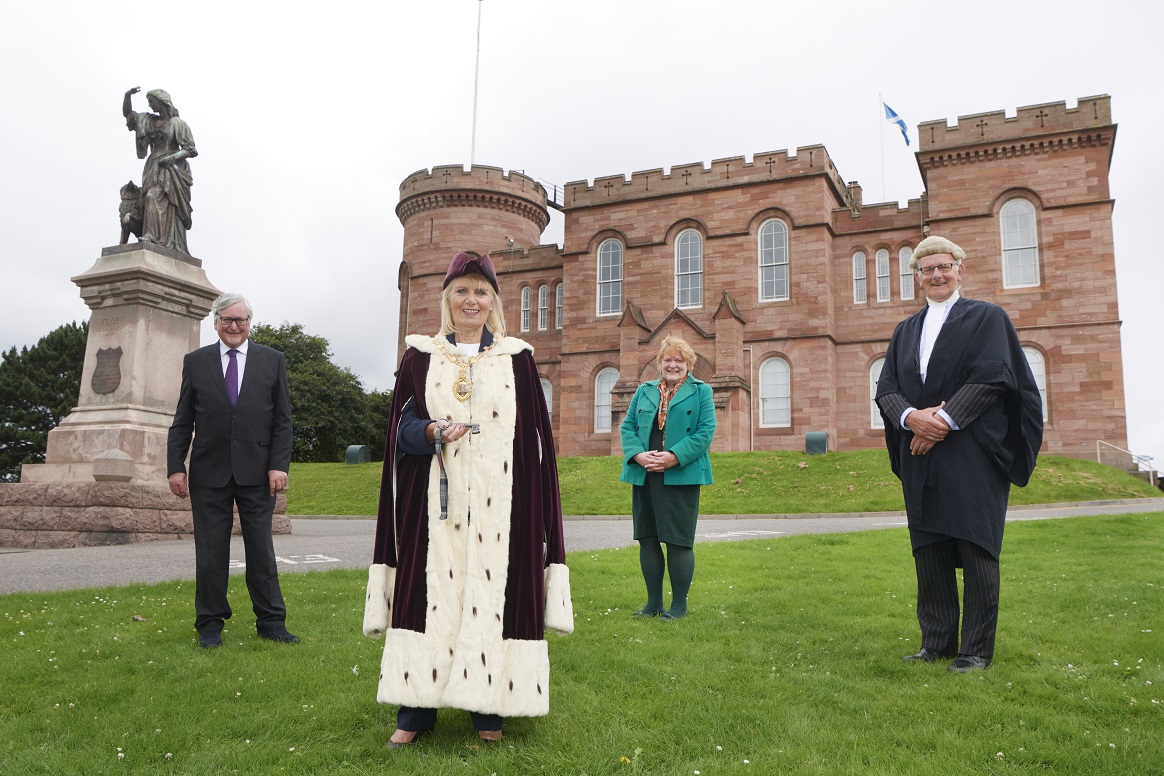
463,593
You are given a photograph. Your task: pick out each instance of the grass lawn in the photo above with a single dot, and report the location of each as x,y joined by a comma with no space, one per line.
789,663
745,483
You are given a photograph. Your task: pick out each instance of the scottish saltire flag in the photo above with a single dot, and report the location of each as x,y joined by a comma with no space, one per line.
892,117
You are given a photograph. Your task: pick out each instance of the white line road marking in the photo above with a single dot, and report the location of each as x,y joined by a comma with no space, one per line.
291,560
738,533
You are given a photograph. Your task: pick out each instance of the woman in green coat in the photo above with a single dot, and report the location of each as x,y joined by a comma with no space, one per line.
665,437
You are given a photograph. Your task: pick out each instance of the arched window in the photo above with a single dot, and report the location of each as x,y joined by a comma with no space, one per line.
603,384
775,394
610,278
548,393
875,419
558,307
773,261
543,308
905,273
1039,369
1020,251
881,258
689,269
859,278
525,309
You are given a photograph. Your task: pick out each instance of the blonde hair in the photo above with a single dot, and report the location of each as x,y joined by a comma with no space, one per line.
679,346
496,320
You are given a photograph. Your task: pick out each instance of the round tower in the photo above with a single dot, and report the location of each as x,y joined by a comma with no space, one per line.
451,209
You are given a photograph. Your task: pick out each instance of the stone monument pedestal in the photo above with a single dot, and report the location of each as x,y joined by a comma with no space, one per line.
58,515
104,476
148,303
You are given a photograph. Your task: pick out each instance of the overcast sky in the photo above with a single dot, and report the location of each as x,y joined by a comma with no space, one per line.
307,116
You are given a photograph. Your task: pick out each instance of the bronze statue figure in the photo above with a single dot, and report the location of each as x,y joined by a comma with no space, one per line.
164,140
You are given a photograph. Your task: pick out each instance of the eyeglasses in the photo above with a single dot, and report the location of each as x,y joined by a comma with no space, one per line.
228,322
942,268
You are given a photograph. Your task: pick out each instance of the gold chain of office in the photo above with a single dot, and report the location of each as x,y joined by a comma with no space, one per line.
463,385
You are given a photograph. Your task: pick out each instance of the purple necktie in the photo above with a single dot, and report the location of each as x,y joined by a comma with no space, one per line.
232,377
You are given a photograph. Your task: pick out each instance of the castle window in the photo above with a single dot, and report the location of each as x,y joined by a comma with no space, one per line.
773,261
859,278
689,269
610,278
548,393
603,384
904,256
881,258
525,309
1039,369
558,307
1020,251
875,419
775,394
543,308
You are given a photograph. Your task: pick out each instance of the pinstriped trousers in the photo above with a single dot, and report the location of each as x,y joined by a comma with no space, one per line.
937,597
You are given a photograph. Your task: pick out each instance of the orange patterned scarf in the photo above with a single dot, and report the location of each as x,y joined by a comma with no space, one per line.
665,396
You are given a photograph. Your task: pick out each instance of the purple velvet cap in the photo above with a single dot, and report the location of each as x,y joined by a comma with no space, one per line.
464,263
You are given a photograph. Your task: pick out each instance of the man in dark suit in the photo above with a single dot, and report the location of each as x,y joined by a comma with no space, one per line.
963,421
235,405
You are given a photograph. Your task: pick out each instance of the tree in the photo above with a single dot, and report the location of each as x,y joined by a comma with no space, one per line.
328,405
39,386
379,411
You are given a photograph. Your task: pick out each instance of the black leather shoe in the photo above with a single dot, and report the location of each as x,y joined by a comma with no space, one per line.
964,664
282,635
924,656
210,640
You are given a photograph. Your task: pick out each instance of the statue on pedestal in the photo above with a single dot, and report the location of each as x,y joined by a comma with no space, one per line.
165,141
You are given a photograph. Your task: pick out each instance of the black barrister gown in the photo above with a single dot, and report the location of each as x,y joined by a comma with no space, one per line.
463,602
960,488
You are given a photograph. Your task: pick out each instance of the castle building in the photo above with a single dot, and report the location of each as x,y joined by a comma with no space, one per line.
785,282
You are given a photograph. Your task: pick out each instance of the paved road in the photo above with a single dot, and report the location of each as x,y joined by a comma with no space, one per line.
318,544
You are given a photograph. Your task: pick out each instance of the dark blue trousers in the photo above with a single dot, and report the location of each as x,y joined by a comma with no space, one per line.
413,719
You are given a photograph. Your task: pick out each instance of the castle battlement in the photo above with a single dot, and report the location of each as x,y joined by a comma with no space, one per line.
879,217
478,176
1032,120
721,173
543,259
479,186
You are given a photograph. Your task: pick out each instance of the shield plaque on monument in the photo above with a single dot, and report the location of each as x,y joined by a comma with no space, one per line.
107,371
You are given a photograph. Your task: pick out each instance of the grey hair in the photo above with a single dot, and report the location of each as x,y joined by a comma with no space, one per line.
226,300
933,245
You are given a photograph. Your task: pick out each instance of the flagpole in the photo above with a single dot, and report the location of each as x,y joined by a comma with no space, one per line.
476,74
881,133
